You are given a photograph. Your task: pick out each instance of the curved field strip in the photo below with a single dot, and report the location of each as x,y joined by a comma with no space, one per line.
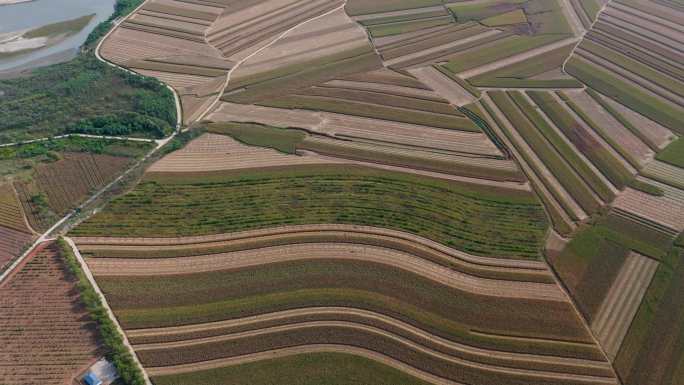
155,338
425,378
548,326
321,251
302,368
402,241
418,355
620,305
211,203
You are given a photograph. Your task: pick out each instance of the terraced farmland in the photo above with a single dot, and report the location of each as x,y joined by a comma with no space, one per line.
322,301
445,192
46,333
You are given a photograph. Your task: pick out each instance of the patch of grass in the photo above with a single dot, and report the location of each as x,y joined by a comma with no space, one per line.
646,187
477,219
363,7
281,139
302,369
629,95
673,153
483,10
117,353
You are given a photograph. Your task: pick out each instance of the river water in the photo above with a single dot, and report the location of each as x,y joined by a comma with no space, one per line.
38,13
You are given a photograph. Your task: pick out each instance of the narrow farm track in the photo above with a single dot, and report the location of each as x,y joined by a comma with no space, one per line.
408,343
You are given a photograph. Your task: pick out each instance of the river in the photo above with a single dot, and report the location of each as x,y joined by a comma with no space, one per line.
37,13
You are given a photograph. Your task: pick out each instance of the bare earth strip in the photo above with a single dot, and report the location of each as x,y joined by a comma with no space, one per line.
667,210
380,332
372,316
615,315
350,229
317,251
374,129
617,132
442,85
516,58
286,352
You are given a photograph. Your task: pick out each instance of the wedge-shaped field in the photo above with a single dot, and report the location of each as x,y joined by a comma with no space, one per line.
45,332
15,232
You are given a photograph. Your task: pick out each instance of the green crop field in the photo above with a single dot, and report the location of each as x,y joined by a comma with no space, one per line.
480,220
302,369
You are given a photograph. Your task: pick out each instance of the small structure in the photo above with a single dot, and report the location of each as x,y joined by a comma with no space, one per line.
91,379
102,372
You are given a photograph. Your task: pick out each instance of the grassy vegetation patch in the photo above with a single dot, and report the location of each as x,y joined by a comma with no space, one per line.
303,369
281,139
513,17
478,219
673,153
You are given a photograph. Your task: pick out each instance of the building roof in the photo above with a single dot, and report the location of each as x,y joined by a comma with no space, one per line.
91,379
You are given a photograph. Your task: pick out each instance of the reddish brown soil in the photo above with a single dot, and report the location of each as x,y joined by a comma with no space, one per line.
46,335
